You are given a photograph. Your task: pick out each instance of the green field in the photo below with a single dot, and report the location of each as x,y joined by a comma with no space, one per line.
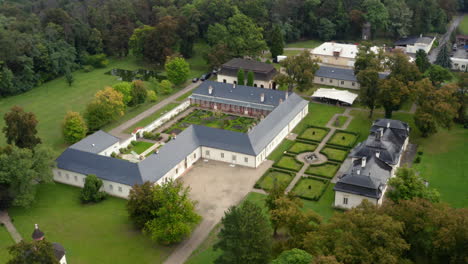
340,121
464,25
309,188
141,146
198,65
319,115
310,44
290,53
343,139
279,151
327,170
289,163
267,181
314,134
334,154
86,231
323,207
300,147
146,121
5,241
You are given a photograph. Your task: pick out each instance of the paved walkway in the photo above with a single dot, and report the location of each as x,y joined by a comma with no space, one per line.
156,145
6,220
446,37
119,131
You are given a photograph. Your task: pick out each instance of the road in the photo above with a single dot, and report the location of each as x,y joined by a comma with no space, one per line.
446,37
119,131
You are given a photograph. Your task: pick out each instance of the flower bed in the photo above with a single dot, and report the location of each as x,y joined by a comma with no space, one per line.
288,162
327,170
334,154
301,147
343,139
267,181
315,134
310,188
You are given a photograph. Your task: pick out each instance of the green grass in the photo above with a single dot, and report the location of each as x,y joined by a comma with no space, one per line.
323,207
184,96
314,133
327,170
86,231
334,154
300,147
5,241
290,53
198,65
279,151
282,178
310,188
289,163
146,121
341,121
343,139
464,25
141,146
319,115
304,44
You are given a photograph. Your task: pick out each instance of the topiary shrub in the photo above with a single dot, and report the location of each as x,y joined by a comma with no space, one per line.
418,159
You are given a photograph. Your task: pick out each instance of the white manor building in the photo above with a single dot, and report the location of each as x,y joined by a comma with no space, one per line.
374,162
92,154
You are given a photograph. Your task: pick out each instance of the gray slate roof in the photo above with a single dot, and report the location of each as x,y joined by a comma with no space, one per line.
413,40
96,142
340,73
240,95
261,70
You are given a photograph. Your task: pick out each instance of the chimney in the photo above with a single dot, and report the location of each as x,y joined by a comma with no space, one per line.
363,162
210,89
378,134
286,95
93,145
377,154
262,97
381,133
358,172
420,35
388,124
280,100
234,85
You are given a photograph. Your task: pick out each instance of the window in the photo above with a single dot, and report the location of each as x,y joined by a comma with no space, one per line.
120,188
342,82
207,152
246,159
222,155
194,155
345,200
352,83
224,80
321,79
331,80
84,180
76,178
234,157
463,66
111,187
59,173
176,171
235,82
261,86
255,85
67,176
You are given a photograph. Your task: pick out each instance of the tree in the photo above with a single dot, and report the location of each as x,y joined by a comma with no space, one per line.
422,61
138,93
438,75
443,58
407,185
299,71
240,77
175,218
106,106
125,88
91,192
325,260
360,235
366,58
151,95
250,78
376,14
69,76
20,128
34,252
391,94
74,127
165,87
369,89
327,30
217,55
402,69
399,17
177,70
425,122
462,96
276,41
293,256
21,170
141,204
245,236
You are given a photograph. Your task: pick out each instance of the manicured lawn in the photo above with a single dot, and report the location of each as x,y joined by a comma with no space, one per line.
5,241
289,163
314,133
341,120
184,96
323,207
291,52
319,115
464,25
141,146
343,139
268,180
146,121
300,147
86,231
327,170
309,188
334,154
198,65
304,44
211,119
279,151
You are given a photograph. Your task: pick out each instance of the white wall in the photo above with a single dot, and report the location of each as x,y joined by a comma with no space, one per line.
353,200
63,260
227,156
166,117
336,82
259,83
181,167
459,64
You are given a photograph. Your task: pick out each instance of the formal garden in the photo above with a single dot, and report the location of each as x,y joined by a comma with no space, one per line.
313,133
213,119
327,169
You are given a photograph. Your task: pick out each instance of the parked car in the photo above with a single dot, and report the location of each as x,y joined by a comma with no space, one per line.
194,80
205,76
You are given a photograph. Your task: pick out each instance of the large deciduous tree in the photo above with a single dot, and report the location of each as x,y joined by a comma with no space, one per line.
138,93
125,88
21,170
276,41
74,127
369,89
407,185
367,58
175,217
293,256
177,70
391,95
299,71
20,128
141,204
34,252
245,236
422,61
376,13
437,74
106,106
402,69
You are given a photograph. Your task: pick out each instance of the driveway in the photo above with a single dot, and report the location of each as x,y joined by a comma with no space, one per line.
453,25
216,186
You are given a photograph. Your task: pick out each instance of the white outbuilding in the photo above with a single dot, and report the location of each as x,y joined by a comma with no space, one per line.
343,97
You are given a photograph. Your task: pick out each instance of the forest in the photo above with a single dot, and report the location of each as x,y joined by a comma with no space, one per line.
41,40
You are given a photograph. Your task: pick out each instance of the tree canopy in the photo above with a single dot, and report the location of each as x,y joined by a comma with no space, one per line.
20,128
106,106
177,70
407,185
299,71
34,252
74,127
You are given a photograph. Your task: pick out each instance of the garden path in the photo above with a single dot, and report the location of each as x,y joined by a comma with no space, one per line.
6,220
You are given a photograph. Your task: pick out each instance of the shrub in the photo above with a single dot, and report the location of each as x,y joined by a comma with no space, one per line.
133,142
113,154
151,136
121,150
151,95
97,60
91,191
88,68
420,152
418,159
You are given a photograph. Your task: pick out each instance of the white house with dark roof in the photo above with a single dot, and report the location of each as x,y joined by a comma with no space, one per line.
264,73
337,54
174,158
339,77
374,162
413,44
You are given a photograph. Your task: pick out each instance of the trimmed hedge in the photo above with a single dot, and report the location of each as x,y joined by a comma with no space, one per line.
312,194
300,147
283,163
316,170
260,184
336,135
304,137
332,153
